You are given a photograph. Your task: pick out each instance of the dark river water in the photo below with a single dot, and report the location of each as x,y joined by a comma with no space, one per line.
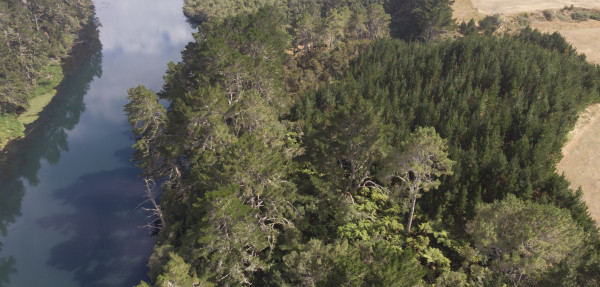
69,196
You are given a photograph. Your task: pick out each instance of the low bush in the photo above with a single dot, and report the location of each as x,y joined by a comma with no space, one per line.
580,15
549,14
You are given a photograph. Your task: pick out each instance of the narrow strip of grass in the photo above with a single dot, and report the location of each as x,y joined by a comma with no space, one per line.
13,127
10,128
43,93
36,105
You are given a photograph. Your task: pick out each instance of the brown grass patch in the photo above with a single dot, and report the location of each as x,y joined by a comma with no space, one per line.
581,158
584,36
490,7
518,14
464,10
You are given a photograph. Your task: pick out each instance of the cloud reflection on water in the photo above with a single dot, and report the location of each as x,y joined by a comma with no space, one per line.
138,26
104,241
46,139
139,38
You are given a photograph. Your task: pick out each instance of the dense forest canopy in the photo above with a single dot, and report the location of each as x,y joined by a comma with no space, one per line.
34,37
299,155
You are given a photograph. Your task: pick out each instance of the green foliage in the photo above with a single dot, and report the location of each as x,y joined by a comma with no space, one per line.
147,117
52,75
294,149
43,93
344,139
420,19
203,10
34,37
235,259
522,239
467,28
177,273
10,128
374,217
419,163
452,278
433,16
554,42
549,14
580,15
503,127
523,20
343,264
489,24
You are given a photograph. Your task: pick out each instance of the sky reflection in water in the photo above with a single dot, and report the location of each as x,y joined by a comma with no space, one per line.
68,199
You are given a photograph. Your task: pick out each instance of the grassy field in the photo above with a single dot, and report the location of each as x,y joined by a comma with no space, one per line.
490,7
43,93
581,159
10,128
464,10
584,36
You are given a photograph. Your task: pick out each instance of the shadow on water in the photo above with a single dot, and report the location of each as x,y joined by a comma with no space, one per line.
104,239
47,137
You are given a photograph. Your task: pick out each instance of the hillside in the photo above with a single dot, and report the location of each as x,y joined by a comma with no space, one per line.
579,24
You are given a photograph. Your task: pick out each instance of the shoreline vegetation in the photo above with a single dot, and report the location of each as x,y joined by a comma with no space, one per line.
364,143
35,40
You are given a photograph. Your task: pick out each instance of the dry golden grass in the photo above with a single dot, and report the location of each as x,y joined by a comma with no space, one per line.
490,7
464,10
584,36
581,159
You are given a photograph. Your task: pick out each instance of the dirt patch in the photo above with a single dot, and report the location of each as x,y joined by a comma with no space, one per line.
490,7
581,158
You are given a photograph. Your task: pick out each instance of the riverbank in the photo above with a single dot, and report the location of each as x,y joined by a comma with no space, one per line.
31,99
13,126
71,197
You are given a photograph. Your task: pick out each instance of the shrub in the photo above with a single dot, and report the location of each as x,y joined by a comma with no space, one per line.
548,14
595,15
489,24
467,29
580,15
562,16
523,19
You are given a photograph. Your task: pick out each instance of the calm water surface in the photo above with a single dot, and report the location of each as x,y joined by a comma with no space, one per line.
68,194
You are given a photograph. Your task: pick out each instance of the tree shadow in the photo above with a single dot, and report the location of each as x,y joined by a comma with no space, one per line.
105,242
7,267
47,137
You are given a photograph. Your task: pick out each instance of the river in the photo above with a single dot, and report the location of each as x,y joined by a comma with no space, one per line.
69,195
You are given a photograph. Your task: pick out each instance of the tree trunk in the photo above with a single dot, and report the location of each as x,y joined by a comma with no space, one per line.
37,26
412,212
